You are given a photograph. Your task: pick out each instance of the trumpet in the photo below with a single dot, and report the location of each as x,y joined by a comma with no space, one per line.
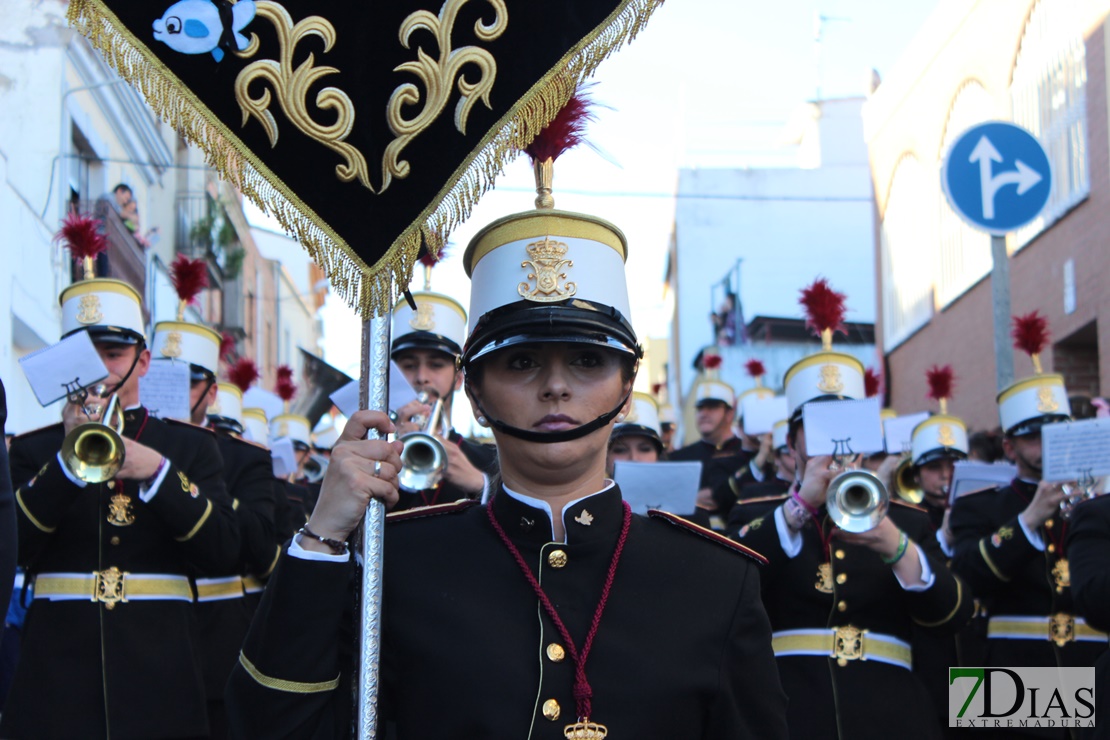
1076,493
423,458
856,499
905,486
315,467
93,452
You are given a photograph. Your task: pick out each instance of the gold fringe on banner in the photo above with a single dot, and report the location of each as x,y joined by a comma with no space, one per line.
371,290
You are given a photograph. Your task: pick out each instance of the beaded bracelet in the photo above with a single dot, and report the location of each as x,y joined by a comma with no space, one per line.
810,509
903,543
337,546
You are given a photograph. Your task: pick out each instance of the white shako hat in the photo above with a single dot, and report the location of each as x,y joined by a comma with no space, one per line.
548,276
642,420
109,310
293,426
824,375
778,434
182,340
439,322
756,371
325,439
941,435
255,427
1039,399
709,387
667,415
227,410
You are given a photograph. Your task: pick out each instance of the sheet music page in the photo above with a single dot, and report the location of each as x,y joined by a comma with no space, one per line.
669,486
760,414
68,366
969,476
283,457
898,432
164,390
400,393
1071,450
843,426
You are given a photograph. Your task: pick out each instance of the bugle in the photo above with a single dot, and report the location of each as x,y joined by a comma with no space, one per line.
93,452
423,458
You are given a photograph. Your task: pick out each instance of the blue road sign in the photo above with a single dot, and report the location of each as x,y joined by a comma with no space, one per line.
997,177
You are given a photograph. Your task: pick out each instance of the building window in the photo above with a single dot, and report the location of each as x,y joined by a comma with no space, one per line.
907,238
1049,98
964,254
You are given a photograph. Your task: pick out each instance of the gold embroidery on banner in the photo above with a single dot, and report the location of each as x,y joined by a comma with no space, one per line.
1046,403
437,76
172,347
945,436
547,261
292,85
89,309
119,511
830,379
425,317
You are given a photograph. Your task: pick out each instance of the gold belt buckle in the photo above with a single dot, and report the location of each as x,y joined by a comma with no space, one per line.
848,644
108,588
1061,629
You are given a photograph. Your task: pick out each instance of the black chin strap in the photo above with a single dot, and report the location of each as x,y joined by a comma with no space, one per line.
550,437
117,386
200,400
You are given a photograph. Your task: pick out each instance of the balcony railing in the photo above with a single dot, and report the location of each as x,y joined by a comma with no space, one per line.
125,257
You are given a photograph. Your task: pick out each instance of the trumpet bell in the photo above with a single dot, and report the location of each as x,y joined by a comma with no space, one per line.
93,452
905,487
423,462
857,501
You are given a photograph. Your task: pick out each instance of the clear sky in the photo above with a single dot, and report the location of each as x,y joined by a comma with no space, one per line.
709,83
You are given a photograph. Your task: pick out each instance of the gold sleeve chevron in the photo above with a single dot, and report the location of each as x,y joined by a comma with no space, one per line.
369,289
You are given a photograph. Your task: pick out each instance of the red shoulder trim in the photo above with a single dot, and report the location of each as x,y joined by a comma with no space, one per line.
422,512
708,534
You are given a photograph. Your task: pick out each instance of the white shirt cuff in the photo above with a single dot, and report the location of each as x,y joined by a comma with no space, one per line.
757,472
297,551
146,494
948,550
791,541
1033,537
73,479
927,575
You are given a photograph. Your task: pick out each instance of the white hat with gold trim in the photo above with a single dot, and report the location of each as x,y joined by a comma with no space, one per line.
825,375
325,439
667,415
255,427
756,371
941,435
227,410
439,322
110,310
710,387
293,426
642,420
1040,399
181,340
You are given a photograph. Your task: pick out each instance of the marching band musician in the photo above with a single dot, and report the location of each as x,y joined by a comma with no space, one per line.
844,606
109,648
427,344
772,488
1088,548
1010,540
555,571
635,438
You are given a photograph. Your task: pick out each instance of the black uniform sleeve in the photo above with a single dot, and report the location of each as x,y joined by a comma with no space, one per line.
42,495
195,505
750,700
987,557
253,499
947,605
7,513
1088,556
286,681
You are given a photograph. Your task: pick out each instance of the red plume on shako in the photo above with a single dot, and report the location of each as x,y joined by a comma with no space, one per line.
243,373
872,382
941,381
85,240
1030,403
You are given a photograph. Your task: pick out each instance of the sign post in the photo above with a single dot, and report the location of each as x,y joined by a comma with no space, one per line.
978,170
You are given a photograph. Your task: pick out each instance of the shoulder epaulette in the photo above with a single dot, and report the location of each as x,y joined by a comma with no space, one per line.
421,512
707,534
908,505
187,425
40,430
760,499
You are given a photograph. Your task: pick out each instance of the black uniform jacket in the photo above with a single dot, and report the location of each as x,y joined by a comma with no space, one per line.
132,671
676,655
1089,554
718,463
248,474
483,457
862,698
7,514
1011,577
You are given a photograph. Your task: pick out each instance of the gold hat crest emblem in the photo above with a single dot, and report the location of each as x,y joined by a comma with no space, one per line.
1046,402
945,436
172,347
89,309
425,317
830,379
548,258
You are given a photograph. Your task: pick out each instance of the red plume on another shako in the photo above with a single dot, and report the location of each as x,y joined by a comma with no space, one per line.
872,382
243,373
711,361
228,344
83,237
189,278
655,388
755,368
824,310
566,130
941,381
1030,335
285,387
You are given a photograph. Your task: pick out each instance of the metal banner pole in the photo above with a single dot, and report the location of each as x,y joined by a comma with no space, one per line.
373,393
1000,297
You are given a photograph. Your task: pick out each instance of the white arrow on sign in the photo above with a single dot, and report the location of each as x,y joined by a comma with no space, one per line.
1024,176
